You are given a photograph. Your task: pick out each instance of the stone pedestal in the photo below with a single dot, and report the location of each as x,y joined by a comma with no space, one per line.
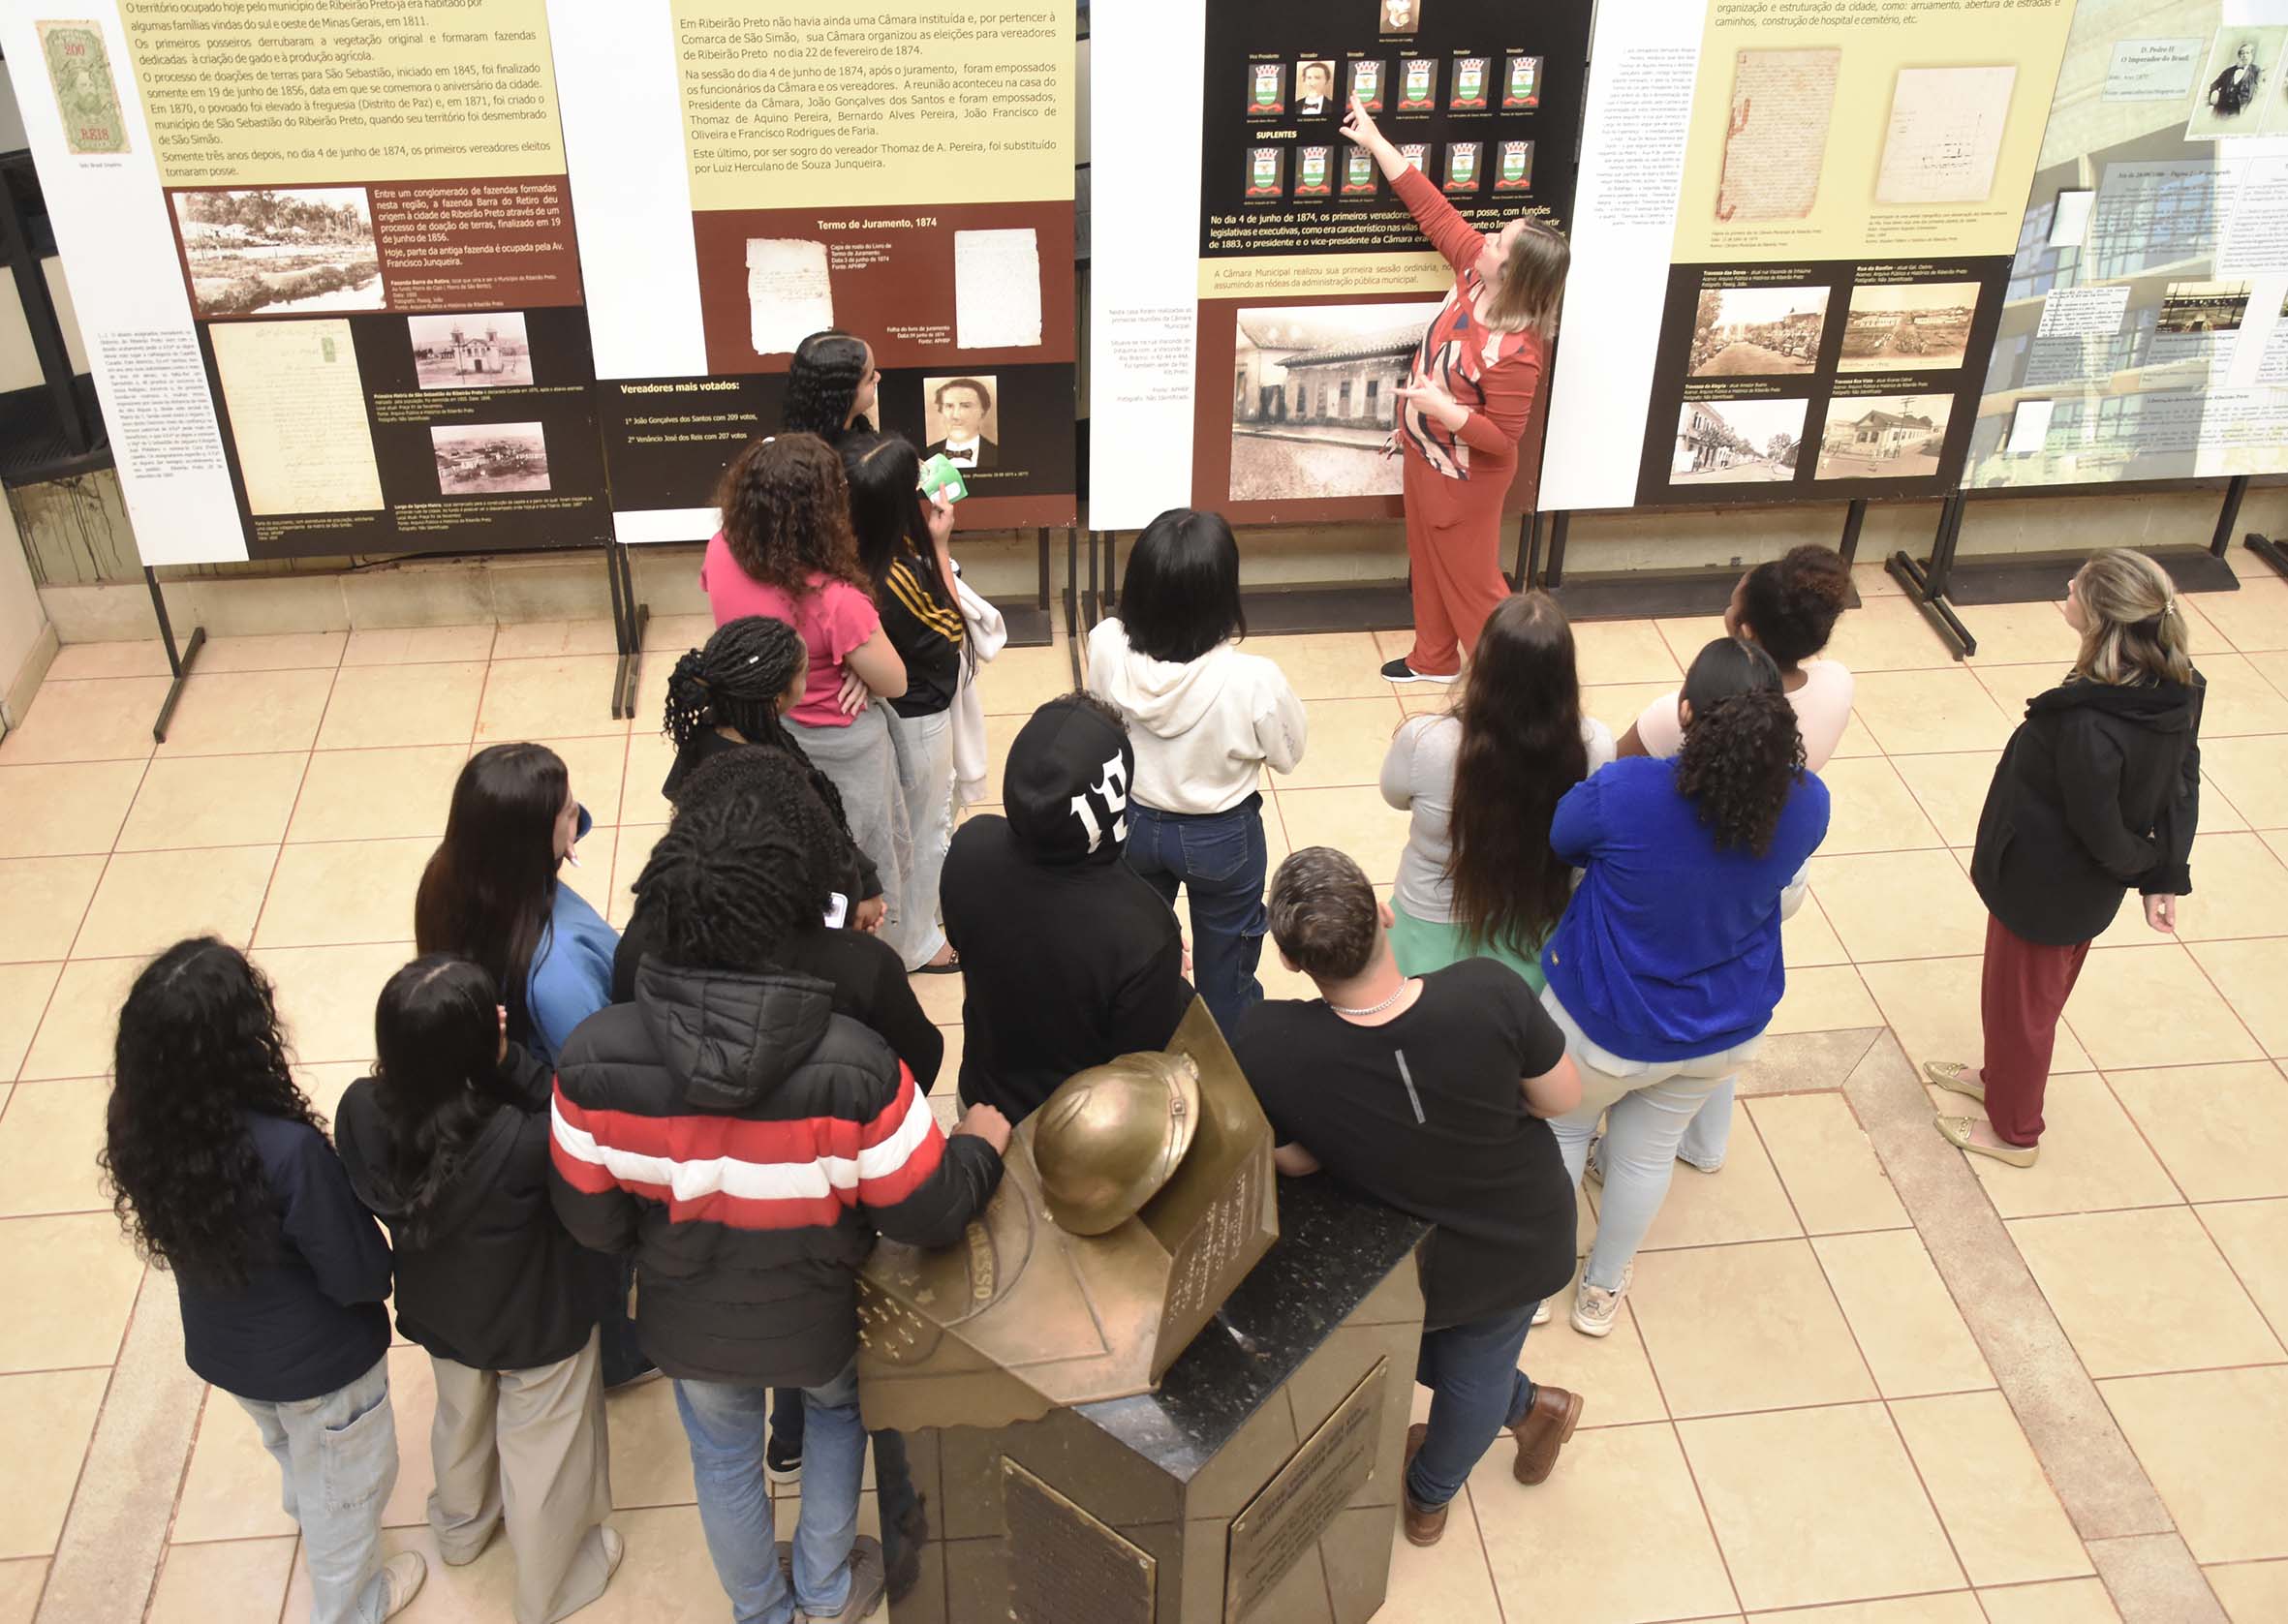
1259,1482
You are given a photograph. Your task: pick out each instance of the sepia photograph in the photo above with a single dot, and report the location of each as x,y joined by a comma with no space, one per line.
270,250
485,351
1748,332
488,459
1315,393
1314,89
1883,436
1401,16
961,421
2203,307
1737,441
1916,326
2242,70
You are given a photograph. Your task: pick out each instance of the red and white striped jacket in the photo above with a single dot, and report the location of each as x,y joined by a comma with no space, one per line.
747,1144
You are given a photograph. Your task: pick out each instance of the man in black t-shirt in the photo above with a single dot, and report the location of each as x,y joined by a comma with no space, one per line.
1431,1095
1069,958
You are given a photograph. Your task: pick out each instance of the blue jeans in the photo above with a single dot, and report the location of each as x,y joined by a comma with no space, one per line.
1709,1140
725,1425
894,1495
338,1454
1475,1390
1219,859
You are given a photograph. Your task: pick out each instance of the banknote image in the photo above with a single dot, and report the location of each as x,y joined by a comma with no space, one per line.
85,93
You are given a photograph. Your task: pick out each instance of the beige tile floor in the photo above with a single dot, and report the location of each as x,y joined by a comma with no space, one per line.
1810,1409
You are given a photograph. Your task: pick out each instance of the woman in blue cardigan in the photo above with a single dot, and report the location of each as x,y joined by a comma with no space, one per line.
1666,966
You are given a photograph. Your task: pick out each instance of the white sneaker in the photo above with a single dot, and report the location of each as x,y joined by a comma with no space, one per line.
614,1549
1542,1314
1594,1306
402,1577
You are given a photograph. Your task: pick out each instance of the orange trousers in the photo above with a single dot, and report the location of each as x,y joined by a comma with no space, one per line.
1454,556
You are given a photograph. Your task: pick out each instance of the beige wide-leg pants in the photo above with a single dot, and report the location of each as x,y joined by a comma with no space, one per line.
528,1447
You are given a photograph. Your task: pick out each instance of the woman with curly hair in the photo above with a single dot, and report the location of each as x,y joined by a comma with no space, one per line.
787,551
830,386
1787,606
1479,784
220,1172
1665,969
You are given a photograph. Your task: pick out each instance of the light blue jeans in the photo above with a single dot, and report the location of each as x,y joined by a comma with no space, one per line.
338,1454
1647,1106
725,1425
1709,1137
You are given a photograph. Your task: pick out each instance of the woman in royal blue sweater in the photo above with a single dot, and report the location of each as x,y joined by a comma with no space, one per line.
1666,968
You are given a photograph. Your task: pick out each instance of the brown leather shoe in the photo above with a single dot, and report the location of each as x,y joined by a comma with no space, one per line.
1549,1422
1423,1526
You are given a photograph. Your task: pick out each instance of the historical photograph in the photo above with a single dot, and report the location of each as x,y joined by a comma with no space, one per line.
1883,436
1313,397
2203,307
1737,441
1745,333
272,250
1912,325
1314,89
1401,16
1777,140
2242,71
961,421
485,351
487,459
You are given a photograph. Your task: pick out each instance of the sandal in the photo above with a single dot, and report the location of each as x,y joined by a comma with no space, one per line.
1955,1078
951,967
1957,1131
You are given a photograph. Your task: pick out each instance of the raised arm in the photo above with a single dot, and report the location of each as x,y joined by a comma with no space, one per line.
1457,242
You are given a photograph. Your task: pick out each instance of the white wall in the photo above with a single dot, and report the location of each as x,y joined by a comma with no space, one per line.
26,645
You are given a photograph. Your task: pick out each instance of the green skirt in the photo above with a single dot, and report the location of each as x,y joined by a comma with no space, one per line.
1421,947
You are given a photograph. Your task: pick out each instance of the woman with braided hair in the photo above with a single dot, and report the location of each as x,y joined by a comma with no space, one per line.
734,692
830,386
1666,966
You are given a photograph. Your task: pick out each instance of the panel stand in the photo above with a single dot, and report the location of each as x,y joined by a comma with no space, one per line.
1034,624
629,619
177,663
1656,595
1925,584
2266,549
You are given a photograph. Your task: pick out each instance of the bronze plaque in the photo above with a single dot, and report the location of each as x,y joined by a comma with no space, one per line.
1064,1565
1286,1518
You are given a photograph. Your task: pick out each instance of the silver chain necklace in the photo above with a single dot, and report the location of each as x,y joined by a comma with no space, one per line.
1374,1009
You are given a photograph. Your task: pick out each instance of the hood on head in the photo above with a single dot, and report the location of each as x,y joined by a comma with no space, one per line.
730,1038
1065,789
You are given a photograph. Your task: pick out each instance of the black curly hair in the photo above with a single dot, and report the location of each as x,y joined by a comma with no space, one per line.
1743,754
746,864
822,384
735,681
439,1077
1789,604
199,1047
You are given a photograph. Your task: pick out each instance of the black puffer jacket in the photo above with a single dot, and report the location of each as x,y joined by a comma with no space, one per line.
2098,791
497,1284
746,1143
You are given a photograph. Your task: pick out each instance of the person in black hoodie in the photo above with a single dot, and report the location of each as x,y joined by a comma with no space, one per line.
448,1143
1070,958
746,1144
220,1172
2097,791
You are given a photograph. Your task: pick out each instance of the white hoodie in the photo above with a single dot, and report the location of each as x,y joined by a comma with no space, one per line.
1201,731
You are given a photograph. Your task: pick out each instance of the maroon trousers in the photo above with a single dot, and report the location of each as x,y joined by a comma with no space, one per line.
2021,995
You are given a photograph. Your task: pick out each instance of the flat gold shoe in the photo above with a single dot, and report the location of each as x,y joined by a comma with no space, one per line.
1955,1078
1955,1131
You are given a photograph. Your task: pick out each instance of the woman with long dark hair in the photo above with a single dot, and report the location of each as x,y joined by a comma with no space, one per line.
221,1174
2098,790
1205,718
831,386
448,1143
1666,966
903,552
735,691
1479,784
787,551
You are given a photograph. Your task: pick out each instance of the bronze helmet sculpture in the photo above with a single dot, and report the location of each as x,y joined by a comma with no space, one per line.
1111,1135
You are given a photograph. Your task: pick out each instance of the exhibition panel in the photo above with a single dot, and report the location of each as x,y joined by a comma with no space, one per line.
1265,294
327,270
746,175
1820,201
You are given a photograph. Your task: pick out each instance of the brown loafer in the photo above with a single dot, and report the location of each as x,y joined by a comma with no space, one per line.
1549,1422
1424,1527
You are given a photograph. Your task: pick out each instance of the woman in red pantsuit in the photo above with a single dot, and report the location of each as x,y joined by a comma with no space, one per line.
2098,791
1469,395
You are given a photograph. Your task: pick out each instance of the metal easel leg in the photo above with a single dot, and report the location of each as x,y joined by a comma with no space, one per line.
178,664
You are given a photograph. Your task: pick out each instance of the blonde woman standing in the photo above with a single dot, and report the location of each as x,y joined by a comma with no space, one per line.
2097,791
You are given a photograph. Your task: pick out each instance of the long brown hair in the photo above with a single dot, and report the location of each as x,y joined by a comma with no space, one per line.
2137,633
490,889
1532,281
1521,751
786,513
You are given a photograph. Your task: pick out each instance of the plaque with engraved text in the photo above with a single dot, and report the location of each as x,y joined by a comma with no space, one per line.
1064,1565
1286,1518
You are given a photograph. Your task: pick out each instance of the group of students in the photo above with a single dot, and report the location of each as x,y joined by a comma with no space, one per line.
597,1152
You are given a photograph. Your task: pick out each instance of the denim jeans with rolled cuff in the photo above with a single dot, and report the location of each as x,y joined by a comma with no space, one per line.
1476,1392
